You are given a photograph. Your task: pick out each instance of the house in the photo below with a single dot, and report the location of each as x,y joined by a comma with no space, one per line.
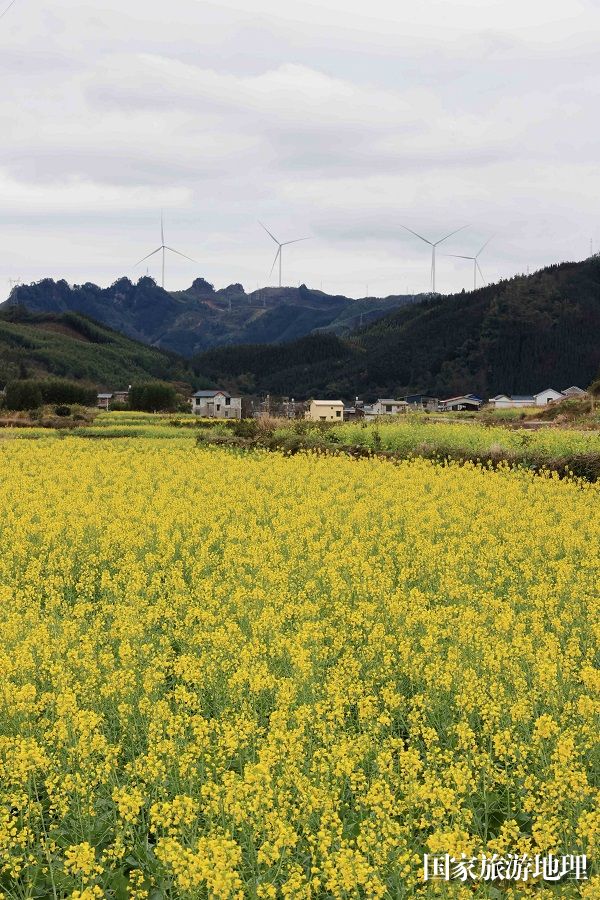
518,401
358,411
464,402
216,405
420,401
273,406
325,411
103,401
549,395
386,407
574,393
542,398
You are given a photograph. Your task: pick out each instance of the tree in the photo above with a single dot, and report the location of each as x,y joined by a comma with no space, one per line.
153,396
60,390
22,395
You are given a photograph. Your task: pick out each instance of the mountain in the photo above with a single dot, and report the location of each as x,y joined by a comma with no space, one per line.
199,318
72,346
518,336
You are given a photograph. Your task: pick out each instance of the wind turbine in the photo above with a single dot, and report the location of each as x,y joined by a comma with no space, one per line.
433,245
164,247
280,244
475,261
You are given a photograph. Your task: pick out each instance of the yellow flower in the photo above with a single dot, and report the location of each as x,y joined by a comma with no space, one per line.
80,859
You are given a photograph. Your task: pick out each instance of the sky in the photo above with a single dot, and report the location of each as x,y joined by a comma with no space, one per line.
335,120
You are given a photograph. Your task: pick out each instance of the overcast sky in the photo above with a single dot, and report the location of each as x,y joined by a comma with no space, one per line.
335,119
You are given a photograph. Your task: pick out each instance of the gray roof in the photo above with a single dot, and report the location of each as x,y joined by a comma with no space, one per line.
209,394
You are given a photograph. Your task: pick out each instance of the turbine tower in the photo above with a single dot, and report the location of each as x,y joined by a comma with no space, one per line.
280,244
475,260
162,248
433,245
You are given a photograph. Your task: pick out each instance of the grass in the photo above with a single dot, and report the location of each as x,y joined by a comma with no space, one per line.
562,450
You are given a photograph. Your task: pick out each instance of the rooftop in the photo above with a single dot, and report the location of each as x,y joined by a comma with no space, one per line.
209,394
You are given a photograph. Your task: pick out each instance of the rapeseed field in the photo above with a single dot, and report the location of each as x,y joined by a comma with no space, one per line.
252,676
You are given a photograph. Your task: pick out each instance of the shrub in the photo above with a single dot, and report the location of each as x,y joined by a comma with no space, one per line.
22,395
247,428
63,410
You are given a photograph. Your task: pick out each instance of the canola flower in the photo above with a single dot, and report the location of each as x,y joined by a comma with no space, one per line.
231,676
412,432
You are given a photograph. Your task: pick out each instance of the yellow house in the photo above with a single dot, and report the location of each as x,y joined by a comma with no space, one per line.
325,411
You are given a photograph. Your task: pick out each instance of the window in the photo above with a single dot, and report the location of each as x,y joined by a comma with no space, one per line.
338,412
323,418
197,401
227,401
218,407
388,407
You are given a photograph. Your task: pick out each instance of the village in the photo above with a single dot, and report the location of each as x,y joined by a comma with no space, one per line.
219,404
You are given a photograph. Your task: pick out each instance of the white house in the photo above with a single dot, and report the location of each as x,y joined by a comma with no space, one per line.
542,398
574,392
386,407
325,411
548,396
503,401
216,405
464,402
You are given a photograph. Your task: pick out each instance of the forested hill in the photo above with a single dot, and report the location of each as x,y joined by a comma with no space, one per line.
34,345
518,336
196,319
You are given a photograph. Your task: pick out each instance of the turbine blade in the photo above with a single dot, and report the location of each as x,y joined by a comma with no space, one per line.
480,272
158,249
7,8
275,260
162,230
441,240
458,256
268,232
420,236
295,241
483,248
178,252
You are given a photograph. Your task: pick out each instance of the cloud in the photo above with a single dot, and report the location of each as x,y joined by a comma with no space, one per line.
335,118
